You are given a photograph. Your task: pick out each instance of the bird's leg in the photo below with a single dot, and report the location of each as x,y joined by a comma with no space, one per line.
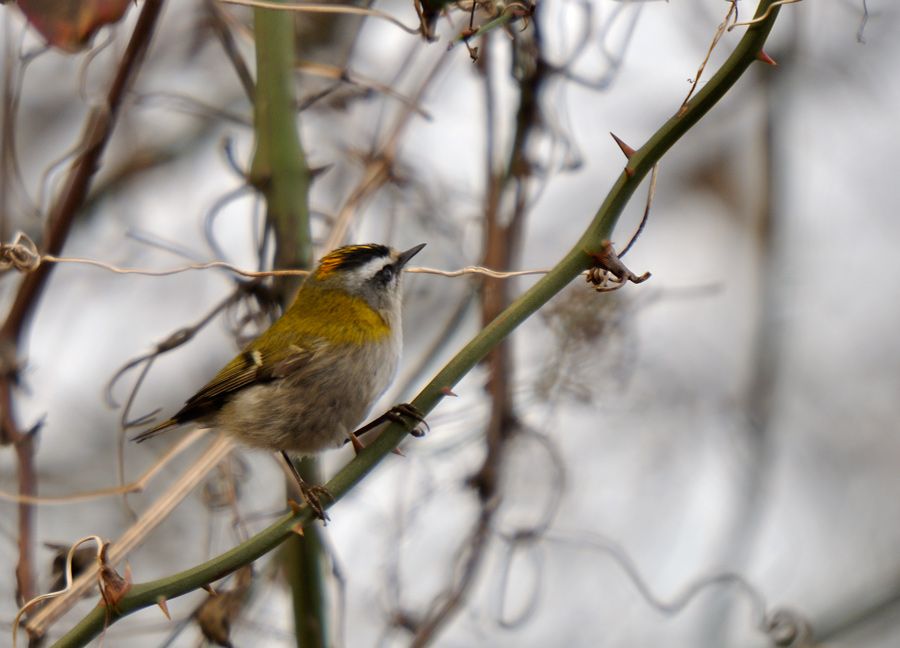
311,494
371,425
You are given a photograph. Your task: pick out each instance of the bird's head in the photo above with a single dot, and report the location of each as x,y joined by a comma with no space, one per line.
371,272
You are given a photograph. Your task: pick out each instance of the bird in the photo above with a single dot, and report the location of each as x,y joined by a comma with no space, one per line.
307,381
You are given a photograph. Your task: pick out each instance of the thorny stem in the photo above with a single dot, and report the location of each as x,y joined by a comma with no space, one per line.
146,594
97,131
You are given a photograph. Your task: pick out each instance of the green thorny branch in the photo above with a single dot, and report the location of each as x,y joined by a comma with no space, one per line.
577,260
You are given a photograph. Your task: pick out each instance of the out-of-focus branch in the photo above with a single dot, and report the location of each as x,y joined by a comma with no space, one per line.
503,235
639,165
219,23
96,134
97,131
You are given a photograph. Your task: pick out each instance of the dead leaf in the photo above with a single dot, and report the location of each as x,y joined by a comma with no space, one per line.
217,614
70,24
112,586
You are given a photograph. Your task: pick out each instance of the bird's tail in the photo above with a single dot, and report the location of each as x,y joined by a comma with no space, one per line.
156,429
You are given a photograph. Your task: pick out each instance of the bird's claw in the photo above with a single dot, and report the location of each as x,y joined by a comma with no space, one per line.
312,496
399,414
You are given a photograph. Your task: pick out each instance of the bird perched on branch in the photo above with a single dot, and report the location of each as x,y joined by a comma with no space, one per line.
306,382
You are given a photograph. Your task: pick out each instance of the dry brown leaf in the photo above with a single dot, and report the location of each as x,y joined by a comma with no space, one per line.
70,24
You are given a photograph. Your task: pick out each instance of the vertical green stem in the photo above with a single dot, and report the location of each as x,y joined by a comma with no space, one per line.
303,562
279,170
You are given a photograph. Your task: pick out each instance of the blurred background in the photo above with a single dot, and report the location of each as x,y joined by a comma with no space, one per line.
680,463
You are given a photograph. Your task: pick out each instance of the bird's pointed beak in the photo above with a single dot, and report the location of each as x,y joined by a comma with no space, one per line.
404,257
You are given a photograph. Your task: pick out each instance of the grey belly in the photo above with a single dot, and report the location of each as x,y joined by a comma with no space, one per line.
305,413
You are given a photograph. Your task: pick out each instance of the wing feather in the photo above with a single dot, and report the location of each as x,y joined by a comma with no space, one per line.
252,367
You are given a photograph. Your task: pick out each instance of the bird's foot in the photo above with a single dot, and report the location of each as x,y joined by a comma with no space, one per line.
399,414
312,496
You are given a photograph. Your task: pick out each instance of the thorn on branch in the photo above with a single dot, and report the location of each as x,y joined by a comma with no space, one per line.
316,172
627,150
164,606
606,264
765,58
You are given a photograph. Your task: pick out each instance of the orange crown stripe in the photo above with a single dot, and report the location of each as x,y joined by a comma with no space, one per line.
348,255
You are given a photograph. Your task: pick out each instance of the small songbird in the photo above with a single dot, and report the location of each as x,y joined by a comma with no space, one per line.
307,382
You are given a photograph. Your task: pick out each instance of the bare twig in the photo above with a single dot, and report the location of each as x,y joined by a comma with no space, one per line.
135,486
220,22
651,192
864,19
11,177
772,7
344,75
717,36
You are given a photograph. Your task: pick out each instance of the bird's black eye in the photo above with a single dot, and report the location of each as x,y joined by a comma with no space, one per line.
386,274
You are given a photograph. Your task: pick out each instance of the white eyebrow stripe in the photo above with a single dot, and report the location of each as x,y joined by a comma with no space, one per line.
369,268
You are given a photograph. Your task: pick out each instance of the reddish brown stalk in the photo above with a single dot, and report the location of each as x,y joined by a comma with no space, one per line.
95,136
503,236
